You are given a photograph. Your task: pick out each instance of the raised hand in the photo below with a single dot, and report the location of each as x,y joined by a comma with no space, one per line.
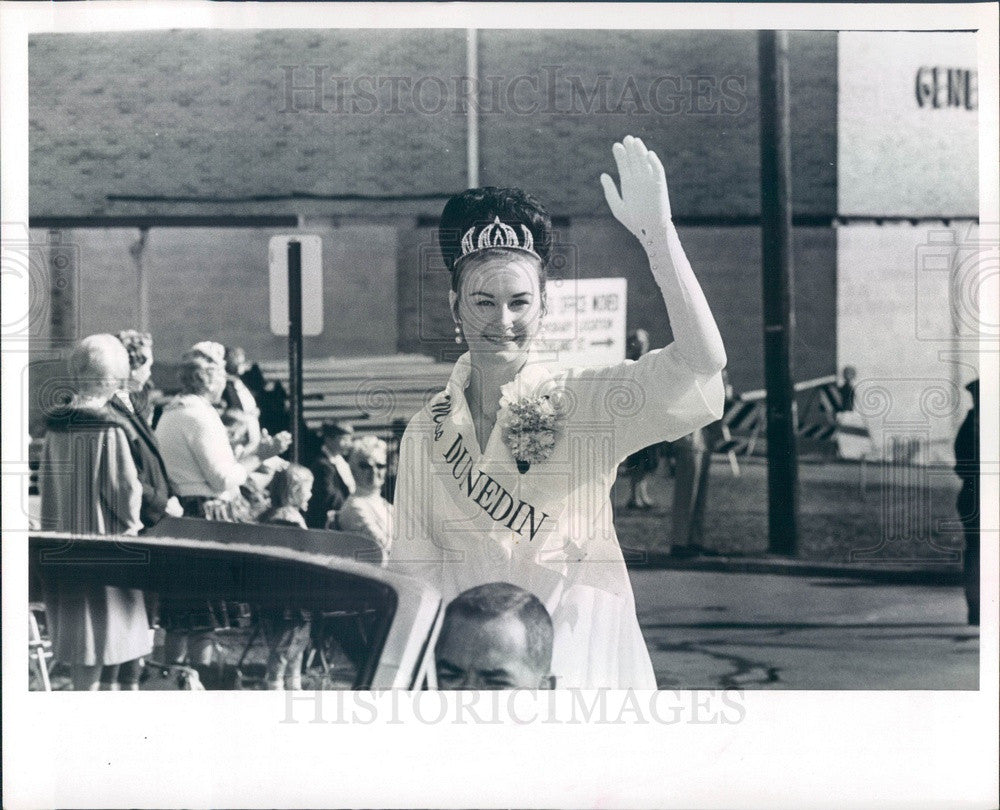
643,205
273,445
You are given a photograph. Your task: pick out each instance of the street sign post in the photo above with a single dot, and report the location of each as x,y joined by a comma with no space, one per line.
296,275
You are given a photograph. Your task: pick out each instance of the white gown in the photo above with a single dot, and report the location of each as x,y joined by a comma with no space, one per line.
467,516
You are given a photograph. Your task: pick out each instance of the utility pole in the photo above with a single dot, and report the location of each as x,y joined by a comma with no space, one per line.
295,345
778,290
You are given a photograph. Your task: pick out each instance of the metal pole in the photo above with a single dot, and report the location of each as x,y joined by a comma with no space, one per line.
472,107
295,344
779,323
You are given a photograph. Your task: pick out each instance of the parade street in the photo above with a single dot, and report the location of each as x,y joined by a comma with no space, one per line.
707,630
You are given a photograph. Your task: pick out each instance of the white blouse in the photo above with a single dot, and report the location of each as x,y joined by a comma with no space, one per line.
467,515
196,451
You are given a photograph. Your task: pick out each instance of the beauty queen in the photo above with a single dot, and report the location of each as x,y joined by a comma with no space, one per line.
506,474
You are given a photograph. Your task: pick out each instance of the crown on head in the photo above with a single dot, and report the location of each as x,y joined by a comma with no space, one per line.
498,234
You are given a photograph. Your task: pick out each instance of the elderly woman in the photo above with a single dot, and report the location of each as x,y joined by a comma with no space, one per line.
366,511
506,474
206,476
203,470
89,484
157,499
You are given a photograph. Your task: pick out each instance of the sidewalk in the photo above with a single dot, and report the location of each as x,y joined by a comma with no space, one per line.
710,629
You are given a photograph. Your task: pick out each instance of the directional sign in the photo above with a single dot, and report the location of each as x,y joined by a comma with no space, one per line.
312,282
585,324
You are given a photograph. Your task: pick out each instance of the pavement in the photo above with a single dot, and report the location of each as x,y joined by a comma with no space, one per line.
713,629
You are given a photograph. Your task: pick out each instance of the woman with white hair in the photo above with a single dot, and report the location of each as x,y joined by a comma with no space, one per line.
366,511
206,475
89,485
203,470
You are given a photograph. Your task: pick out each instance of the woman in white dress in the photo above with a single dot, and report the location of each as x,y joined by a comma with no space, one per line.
506,474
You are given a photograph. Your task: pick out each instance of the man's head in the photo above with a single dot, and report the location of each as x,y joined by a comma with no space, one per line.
337,437
495,636
236,360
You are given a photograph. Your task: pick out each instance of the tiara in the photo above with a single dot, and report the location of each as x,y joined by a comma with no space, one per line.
498,234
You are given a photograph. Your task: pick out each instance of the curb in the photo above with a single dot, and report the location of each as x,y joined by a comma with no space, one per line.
662,560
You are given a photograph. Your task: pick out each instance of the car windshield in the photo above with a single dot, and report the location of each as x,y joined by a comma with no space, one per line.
267,618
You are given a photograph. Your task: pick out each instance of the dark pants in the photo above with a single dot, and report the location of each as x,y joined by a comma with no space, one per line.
968,511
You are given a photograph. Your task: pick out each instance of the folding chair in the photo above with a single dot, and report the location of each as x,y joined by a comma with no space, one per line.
39,649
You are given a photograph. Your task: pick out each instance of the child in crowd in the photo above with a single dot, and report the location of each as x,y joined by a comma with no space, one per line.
291,490
287,630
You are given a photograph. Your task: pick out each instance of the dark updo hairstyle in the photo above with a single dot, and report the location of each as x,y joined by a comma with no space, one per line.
478,207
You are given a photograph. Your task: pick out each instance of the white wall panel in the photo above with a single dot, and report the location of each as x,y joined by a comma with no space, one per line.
906,315
907,124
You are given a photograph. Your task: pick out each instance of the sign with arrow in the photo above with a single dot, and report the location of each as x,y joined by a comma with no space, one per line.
585,324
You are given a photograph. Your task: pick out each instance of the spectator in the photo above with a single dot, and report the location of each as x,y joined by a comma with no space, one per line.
206,476
398,428
642,464
495,636
236,397
334,479
157,498
967,469
692,474
287,630
846,388
291,490
139,346
271,399
366,511
89,484
194,442
253,500
132,404
287,634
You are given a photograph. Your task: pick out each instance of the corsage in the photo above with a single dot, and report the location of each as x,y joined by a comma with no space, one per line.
530,428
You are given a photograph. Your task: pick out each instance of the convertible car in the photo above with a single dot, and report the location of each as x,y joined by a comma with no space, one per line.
371,628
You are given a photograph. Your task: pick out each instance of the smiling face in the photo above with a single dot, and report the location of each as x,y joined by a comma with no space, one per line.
500,303
476,653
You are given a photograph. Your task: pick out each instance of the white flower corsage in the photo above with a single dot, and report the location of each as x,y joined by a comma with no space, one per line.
530,427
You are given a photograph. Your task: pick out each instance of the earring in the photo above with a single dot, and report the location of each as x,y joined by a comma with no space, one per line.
458,333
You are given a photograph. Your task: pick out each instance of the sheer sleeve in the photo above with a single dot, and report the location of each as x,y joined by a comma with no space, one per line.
656,398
